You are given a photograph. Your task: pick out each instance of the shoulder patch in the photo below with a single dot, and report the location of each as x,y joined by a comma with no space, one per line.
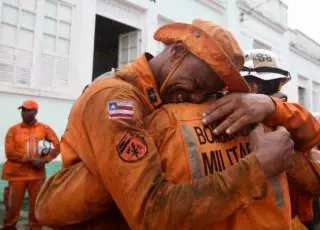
120,109
152,95
132,147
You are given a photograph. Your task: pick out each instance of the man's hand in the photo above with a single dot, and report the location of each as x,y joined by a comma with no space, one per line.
238,110
38,162
274,150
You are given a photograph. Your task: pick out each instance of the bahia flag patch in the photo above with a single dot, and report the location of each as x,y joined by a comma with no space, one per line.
120,109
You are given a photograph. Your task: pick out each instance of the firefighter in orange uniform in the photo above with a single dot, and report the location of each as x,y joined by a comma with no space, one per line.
264,72
29,146
106,134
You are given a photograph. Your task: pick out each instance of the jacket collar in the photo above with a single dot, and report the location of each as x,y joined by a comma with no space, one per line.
139,74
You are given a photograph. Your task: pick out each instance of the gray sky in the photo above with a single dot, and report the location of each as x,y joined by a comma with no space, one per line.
304,15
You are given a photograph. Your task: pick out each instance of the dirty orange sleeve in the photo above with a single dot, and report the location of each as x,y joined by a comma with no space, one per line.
10,150
305,174
52,136
304,128
130,168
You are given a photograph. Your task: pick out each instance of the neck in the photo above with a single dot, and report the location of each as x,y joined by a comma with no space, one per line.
30,123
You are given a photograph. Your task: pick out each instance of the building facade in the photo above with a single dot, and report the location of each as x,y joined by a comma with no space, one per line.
50,49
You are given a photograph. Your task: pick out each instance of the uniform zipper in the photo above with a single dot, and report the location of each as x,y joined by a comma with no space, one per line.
28,147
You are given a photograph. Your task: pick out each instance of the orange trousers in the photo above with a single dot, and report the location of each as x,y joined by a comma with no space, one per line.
14,195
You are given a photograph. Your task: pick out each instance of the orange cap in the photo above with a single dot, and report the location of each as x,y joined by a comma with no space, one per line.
212,44
30,104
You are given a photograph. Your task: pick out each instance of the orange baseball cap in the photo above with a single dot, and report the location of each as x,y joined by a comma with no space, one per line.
30,104
212,44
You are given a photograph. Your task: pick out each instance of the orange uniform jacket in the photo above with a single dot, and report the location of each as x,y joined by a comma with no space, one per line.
21,145
300,197
204,154
123,157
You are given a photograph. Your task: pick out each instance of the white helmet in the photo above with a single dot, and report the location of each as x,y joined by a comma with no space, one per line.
265,65
45,147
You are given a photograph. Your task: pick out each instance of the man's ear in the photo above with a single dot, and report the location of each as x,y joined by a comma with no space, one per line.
177,50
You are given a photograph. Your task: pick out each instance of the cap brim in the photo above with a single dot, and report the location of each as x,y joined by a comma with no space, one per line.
173,32
23,107
265,76
188,35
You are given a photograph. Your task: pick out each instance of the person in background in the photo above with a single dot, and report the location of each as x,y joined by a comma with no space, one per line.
29,146
265,74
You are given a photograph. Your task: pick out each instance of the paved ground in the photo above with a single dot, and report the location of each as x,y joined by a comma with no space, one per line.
51,169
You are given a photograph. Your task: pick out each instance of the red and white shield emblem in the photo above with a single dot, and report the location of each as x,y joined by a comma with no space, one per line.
132,147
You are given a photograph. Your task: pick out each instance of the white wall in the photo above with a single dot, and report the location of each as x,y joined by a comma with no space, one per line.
186,11
300,66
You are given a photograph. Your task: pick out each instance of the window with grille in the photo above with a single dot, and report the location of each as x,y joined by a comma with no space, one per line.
302,92
17,32
315,97
303,87
129,47
56,43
